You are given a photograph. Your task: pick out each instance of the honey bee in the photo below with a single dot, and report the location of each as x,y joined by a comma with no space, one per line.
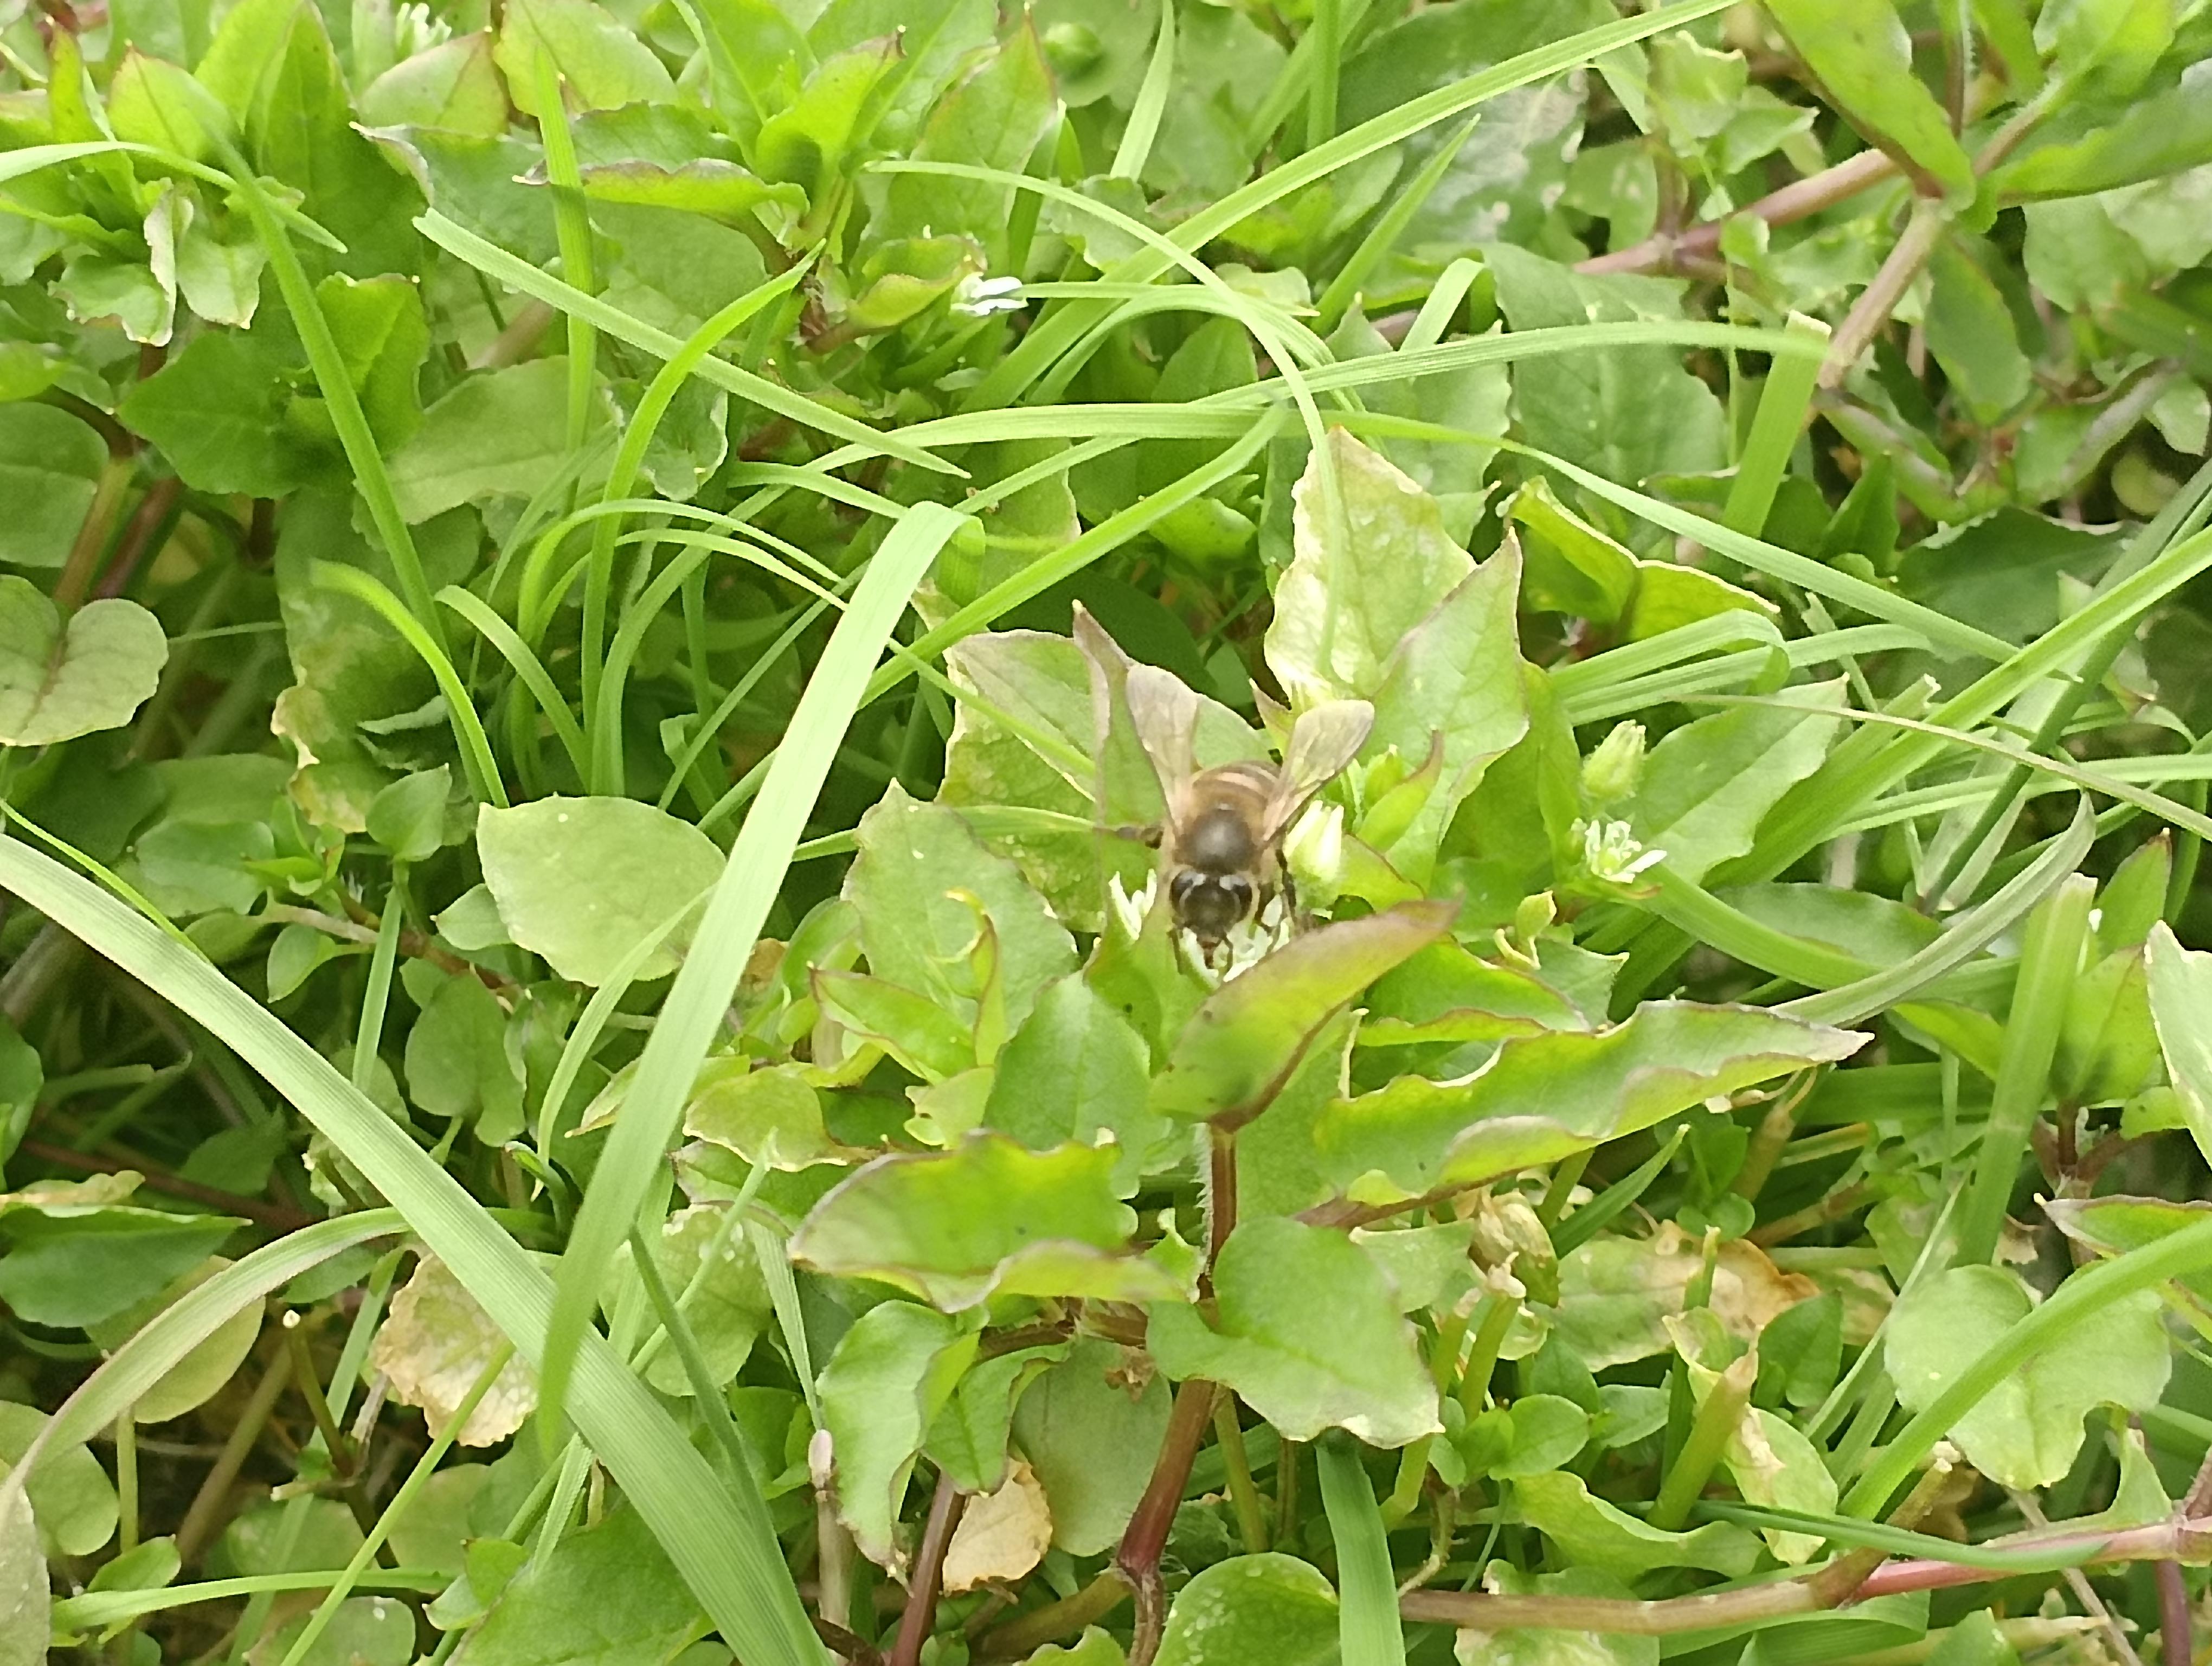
1221,857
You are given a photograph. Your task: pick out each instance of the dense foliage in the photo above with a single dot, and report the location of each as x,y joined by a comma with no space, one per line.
600,598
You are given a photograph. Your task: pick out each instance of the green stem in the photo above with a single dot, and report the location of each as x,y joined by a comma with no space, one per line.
1242,1495
409,1490
1406,1491
2049,962
1497,1319
1716,1421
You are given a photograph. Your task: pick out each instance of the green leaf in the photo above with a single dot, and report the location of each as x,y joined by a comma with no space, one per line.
300,131
408,818
925,1037
727,1306
805,143
2027,1431
720,190
1573,567
1970,332
1589,1533
50,467
383,338
917,868
1544,1097
969,1436
1617,1294
770,1116
2180,983
1077,1069
1268,1607
1353,591
1241,1045
583,881
500,434
78,1255
218,412
604,1593
1456,676
2110,45
986,1218
893,1372
220,278
70,1492
26,1591
1863,57
1773,1463
1308,1332
991,116
1625,412
1708,784
2166,133
600,62
1092,1440
202,1373
1447,992
457,1060
57,684
453,86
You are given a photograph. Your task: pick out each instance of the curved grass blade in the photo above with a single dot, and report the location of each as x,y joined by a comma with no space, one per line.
526,665
718,1535
740,903
461,710
1055,335
516,273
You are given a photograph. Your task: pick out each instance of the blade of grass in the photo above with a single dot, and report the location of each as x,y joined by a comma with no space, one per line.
718,1536
461,710
2082,1293
2049,964
1388,226
1368,1630
1328,29
1144,123
1854,1003
1784,404
1053,335
364,455
528,667
739,904
604,715
517,273
572,231
1585,1222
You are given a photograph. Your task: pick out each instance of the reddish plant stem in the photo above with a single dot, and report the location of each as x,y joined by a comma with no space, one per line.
1146,1536
1798,200
2176,1636
153,513
920,1615
1221,1193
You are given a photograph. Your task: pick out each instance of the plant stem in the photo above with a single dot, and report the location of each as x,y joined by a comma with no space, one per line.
1498,1313
1242,1495
1147,1536
93,532
126,1481
1797,201
144,534
1406,1491
1018,1639
1871,311
201,1517
2049,961
1716,1421
920,1615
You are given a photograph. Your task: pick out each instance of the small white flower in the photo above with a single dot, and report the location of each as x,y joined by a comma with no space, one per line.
1611,853
1131,909
978,296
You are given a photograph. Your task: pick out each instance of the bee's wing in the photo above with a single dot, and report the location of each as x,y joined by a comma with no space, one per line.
1323,741
1166,712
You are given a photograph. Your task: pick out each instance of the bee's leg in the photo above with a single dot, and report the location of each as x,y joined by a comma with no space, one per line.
1295,918
1149,837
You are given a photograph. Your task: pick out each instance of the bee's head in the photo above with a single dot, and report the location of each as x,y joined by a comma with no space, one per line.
1208,905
